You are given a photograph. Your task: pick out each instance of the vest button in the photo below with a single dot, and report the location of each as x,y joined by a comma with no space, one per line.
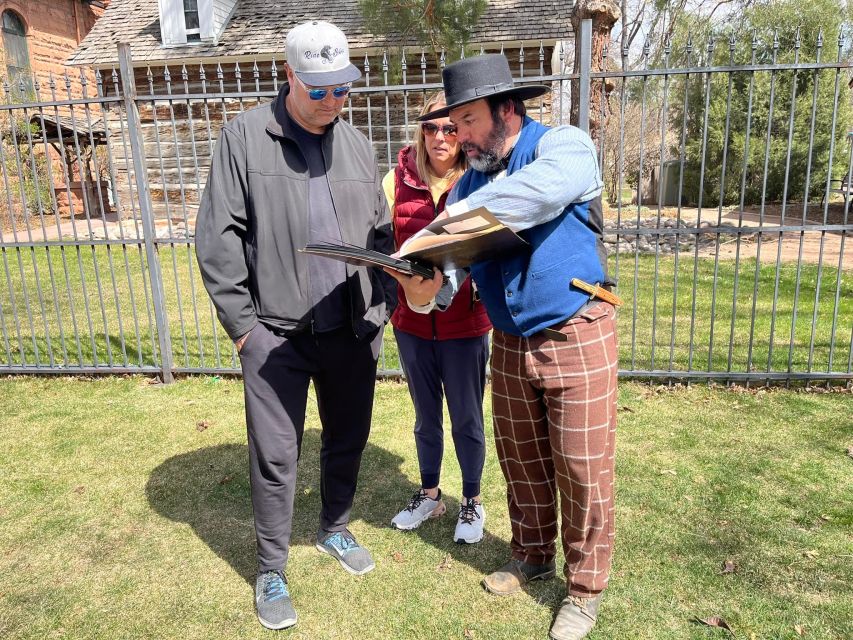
509,294
515,314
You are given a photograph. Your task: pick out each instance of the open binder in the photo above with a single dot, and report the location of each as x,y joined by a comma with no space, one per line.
449,243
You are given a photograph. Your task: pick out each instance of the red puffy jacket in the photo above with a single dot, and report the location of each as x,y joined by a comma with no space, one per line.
413,210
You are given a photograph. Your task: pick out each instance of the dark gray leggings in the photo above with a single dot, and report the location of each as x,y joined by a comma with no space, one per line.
455,369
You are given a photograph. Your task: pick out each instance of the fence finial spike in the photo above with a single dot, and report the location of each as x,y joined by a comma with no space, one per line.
820,38
755,40
797,39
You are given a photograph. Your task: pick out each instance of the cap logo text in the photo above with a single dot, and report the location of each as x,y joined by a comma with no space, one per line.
327,54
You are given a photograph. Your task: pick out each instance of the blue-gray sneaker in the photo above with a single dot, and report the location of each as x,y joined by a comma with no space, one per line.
342,545
272,601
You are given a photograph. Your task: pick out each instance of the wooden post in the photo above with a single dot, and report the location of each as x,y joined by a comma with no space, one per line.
604,14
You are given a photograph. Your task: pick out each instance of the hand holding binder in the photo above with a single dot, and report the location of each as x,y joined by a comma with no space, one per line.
447,243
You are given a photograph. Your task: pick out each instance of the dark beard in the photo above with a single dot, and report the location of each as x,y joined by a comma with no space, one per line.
490,154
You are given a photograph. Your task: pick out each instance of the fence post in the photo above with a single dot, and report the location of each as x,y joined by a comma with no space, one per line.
584,80
146,213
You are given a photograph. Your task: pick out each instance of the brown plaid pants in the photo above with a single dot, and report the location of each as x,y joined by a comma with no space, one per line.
554,408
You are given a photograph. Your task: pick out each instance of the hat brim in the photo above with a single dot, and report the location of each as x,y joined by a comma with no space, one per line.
349,73
525,92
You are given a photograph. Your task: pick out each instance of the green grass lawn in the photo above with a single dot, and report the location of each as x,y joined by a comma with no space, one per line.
124,513
59,305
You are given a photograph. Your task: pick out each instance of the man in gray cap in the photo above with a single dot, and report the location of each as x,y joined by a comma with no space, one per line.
283,175
554,356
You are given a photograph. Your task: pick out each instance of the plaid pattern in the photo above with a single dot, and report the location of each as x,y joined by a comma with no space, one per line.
554,408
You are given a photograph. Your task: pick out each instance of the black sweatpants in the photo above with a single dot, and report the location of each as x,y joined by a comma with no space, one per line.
276,374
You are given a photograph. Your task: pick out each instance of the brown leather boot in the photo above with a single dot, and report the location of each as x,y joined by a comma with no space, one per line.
515,574
575,619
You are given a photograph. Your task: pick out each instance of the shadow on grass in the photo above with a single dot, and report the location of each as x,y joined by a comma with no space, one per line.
208,489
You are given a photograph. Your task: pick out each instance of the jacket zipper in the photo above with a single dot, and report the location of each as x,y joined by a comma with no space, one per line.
432,313
434,215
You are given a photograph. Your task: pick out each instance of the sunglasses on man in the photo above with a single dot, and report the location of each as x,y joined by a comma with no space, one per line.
319,94
431,129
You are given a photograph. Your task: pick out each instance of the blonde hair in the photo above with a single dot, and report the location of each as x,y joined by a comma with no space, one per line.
421,156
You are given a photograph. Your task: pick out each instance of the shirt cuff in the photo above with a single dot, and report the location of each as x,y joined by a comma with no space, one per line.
457,207
422,308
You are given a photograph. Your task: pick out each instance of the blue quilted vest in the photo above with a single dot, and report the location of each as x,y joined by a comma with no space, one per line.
530,290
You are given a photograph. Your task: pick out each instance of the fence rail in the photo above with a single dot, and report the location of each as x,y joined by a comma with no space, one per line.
726,235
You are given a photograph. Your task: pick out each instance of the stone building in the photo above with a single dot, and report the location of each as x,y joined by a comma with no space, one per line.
37,37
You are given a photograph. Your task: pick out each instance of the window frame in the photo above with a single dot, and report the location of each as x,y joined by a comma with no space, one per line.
14,72
195,31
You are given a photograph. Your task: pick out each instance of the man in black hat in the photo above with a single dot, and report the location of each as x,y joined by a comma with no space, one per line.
554,357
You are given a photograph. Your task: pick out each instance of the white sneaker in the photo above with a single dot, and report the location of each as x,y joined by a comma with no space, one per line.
420,508
469,525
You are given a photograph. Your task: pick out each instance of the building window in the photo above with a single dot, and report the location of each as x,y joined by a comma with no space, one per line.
15,49
191,20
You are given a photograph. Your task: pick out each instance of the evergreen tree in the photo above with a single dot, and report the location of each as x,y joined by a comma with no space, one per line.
437,24
769,32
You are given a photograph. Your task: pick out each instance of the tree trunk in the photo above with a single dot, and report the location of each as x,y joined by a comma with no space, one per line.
604,14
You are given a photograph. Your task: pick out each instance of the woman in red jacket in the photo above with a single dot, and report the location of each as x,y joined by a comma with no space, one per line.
443,353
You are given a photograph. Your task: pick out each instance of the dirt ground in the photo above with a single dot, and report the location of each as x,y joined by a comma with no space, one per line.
816,245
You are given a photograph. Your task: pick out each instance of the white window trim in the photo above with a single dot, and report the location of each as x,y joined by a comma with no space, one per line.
173,28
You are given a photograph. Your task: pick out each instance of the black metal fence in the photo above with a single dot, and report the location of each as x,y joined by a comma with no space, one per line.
728,185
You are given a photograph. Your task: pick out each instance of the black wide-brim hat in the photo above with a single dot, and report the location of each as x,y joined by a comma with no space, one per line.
482,76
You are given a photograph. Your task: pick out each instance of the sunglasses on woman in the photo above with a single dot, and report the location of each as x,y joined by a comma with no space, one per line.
319,94
430,129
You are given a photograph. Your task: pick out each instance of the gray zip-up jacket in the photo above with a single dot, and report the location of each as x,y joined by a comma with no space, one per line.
253,219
